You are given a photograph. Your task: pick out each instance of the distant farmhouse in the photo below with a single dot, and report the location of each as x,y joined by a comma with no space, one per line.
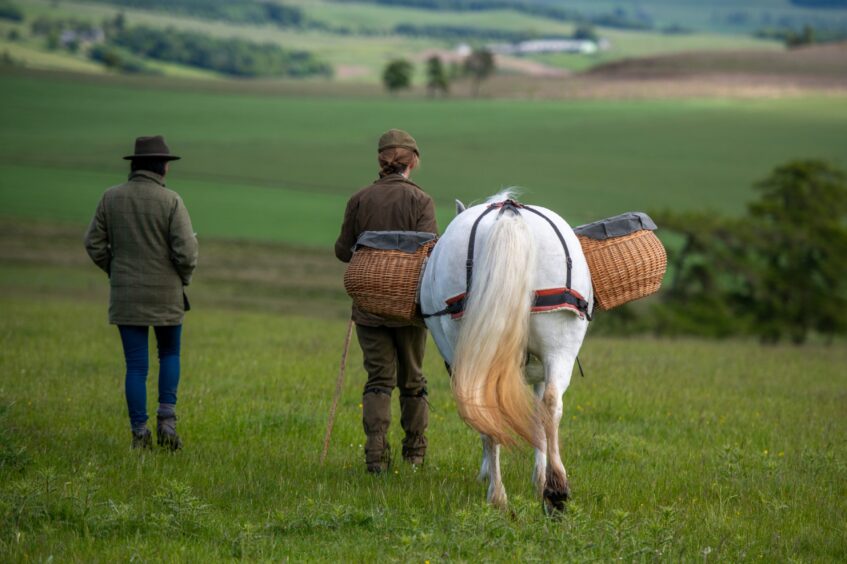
539,46
81,36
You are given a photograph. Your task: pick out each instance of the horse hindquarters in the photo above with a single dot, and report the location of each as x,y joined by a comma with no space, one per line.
487,373
556,339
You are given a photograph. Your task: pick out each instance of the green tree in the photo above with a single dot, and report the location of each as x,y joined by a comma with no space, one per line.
10,11
479,65
436,77
397,75
778,272
805,37
585,32
801,229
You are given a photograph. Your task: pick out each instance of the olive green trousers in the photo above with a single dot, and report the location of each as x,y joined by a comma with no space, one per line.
393,357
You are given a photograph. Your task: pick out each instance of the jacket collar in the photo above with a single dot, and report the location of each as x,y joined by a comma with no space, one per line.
147,175
395,177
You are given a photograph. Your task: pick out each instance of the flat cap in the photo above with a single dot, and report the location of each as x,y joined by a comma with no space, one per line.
397,138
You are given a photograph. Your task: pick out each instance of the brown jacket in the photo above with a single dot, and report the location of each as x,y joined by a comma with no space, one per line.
392,203
141,236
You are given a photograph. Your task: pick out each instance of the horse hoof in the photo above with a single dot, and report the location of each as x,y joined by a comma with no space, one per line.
554,502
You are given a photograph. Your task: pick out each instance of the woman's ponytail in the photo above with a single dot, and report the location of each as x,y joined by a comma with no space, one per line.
396,160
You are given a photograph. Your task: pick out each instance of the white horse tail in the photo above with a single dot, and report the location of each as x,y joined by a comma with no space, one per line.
488,381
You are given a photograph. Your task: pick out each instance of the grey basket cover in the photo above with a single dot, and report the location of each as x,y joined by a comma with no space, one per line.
616,226
406,241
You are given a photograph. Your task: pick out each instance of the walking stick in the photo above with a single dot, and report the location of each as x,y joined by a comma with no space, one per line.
339,384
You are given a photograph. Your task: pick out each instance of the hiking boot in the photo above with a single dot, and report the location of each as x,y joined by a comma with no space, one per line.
376,417
414,449
414,418
414,460
142,440
166,433
377,454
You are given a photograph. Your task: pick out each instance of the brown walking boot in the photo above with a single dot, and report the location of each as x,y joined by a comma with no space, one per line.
414,418
376,417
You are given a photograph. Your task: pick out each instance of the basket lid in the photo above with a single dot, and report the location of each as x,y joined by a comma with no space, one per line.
406,241
616,226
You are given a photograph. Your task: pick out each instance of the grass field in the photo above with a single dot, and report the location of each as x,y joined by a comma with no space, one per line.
677,451
281,167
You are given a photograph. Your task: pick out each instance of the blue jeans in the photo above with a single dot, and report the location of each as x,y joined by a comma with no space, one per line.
134,339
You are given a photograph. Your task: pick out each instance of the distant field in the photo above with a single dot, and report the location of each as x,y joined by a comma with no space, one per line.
822,62
360,58
625,44
281,168
725,16
370,17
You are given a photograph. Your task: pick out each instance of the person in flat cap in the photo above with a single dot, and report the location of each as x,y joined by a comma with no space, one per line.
141,236
393,351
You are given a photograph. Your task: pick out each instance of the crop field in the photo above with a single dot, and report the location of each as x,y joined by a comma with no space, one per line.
281,168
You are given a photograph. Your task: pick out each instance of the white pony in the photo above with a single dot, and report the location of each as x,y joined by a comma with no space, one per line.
517,255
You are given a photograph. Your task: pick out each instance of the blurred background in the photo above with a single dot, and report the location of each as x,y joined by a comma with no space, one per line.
674,107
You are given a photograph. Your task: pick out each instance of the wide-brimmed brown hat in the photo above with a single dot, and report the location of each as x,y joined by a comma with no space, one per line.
397,138
152,148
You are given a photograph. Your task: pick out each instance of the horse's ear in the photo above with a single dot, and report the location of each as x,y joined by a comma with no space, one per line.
460,207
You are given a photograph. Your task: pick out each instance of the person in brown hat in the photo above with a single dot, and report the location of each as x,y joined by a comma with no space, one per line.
141,236
393,351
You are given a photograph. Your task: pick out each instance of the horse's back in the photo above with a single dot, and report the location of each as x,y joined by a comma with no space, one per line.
445,276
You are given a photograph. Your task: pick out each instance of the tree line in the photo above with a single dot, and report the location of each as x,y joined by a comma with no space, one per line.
10,11
807,35
129,49
235,57
778,272
239,11
621,18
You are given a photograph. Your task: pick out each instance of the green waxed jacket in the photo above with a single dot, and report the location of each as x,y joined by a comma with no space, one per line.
141,236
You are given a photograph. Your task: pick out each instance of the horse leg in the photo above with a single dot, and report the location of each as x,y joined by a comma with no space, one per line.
540,469
556,487
491,467
484,472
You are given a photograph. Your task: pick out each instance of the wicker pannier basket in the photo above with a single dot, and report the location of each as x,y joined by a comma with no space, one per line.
384,282
624,266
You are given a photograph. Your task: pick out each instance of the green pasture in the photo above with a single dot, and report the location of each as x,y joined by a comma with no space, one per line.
372,17
281,168
676,451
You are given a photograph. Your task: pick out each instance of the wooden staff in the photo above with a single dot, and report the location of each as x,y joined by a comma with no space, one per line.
339,384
